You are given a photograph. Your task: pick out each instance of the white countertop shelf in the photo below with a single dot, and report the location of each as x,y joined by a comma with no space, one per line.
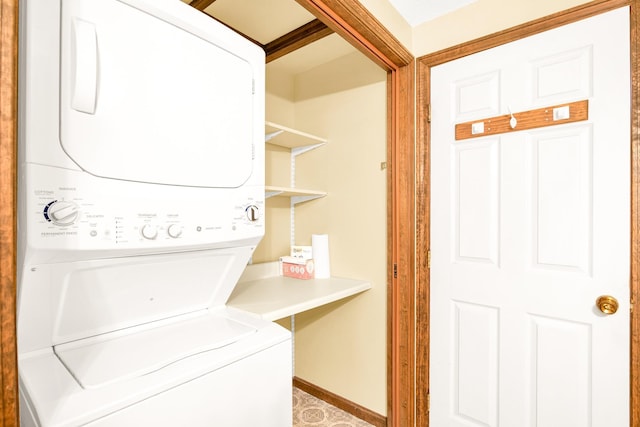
277,297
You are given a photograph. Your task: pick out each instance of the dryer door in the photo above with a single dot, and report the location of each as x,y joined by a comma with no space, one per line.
155,91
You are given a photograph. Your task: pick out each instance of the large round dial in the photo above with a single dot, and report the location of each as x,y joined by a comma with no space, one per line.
253,213
61,212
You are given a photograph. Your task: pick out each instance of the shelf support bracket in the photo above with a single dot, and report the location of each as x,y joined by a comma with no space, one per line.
301,199
296,151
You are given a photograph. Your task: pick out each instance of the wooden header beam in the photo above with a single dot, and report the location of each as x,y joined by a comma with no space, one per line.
201,4
300,37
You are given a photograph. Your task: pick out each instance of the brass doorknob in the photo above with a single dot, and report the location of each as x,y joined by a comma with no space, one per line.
607,304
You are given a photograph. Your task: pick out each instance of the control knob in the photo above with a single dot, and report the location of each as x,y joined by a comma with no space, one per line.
149,231
174,230
61,212
253,213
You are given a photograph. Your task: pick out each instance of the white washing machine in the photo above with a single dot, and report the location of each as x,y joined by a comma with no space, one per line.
141,192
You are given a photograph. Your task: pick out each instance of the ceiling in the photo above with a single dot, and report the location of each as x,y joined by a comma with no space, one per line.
293,39
263,21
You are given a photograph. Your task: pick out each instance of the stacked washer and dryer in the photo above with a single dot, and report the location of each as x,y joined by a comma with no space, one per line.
141,192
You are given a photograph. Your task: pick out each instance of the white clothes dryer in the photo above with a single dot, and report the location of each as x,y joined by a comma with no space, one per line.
141,200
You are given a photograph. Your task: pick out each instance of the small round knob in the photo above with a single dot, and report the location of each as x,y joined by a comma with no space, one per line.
607,304
174,230
61,212
253,213
149,231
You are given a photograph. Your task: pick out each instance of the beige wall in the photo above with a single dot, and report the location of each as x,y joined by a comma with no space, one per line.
391,19
481,18
467,23
341,346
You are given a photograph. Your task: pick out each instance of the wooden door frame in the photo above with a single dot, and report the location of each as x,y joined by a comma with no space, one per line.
8,228
424,65
353,22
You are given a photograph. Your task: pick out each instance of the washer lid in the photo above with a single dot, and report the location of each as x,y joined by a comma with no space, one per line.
152,92
121,355
98,297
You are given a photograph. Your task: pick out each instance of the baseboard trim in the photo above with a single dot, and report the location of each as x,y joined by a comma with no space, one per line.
339,402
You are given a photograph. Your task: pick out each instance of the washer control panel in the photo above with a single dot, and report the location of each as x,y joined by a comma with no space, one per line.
94,217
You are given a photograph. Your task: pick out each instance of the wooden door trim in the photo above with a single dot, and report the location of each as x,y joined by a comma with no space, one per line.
361,29
8,230
424,65
634,391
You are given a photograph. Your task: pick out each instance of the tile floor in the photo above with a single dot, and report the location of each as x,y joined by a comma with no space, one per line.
309,411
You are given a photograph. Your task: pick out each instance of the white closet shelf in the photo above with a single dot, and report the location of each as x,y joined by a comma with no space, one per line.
283,136
299,143
297,195
275,297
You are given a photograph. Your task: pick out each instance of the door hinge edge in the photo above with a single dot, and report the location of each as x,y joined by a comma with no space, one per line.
395,271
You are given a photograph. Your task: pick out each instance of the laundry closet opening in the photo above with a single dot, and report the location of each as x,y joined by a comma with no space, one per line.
340,346
326,174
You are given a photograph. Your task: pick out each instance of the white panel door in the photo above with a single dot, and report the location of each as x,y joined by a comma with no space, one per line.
528,229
